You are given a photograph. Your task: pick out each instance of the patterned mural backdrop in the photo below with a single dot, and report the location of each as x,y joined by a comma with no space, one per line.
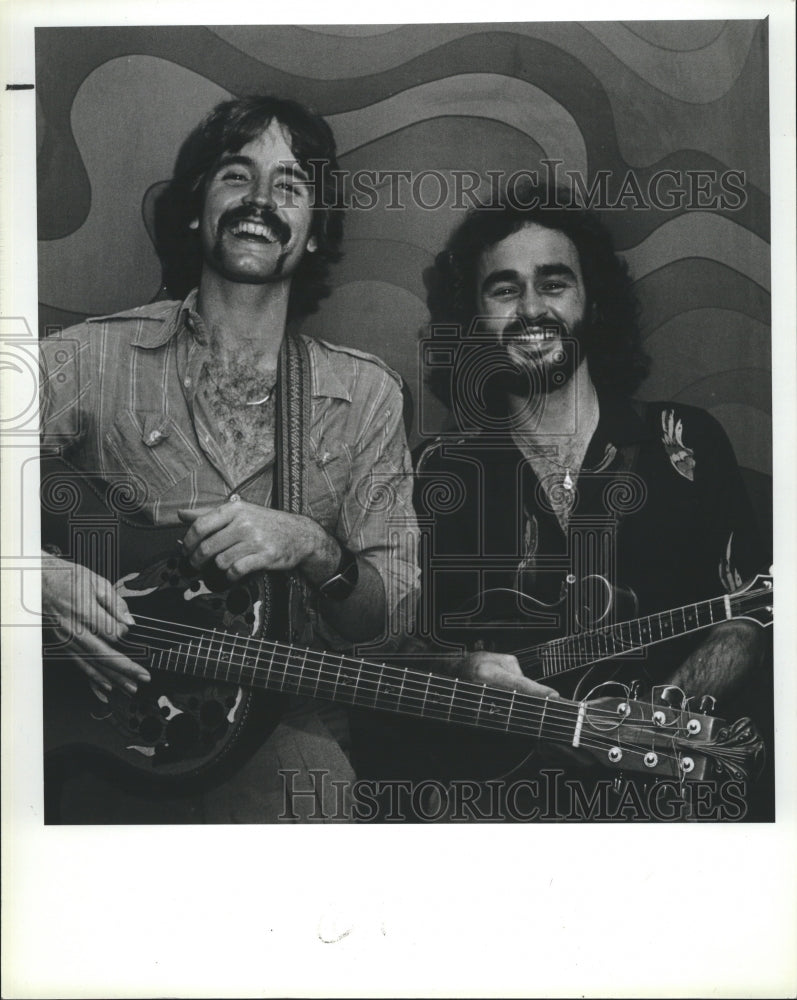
665,122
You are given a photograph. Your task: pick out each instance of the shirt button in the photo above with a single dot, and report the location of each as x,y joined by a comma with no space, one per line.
186,382
154,437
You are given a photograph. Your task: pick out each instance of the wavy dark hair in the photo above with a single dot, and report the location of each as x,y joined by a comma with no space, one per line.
229,127
617,363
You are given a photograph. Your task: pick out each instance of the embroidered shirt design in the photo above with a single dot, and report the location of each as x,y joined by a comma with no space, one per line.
682,458
729,575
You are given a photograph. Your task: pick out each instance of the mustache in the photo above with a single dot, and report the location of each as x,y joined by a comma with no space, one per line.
266,216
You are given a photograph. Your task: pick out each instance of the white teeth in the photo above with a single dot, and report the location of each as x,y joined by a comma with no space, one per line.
253,229
535,335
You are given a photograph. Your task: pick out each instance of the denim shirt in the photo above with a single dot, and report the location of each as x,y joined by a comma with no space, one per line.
119,397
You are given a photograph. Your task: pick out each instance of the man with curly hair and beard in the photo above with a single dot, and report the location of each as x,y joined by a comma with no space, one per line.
255,441
569,505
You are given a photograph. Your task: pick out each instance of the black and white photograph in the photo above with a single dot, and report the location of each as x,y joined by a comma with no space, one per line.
396,437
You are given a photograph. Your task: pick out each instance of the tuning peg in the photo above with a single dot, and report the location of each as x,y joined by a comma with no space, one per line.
672,696
707,703
633,690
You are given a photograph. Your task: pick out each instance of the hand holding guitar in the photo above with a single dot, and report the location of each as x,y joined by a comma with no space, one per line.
243,538
501,670
89,616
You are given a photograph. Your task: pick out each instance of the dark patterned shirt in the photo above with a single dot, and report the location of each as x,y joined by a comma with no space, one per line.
659,518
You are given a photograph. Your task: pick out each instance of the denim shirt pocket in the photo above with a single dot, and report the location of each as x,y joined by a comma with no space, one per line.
328,478
149,445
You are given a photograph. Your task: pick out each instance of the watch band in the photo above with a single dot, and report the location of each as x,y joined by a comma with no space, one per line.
340,585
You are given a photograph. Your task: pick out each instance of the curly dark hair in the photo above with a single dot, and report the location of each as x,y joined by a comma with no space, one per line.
617,363
229,127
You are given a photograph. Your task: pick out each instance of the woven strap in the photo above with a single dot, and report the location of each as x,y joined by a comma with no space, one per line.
294,398
293,424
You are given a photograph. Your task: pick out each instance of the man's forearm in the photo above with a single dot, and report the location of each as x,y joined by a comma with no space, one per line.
362,615
723,661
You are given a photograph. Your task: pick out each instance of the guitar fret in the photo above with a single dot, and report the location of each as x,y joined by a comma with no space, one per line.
481,702
401,689
246,661
542,719
425,695
208,652
300,682
198,654
453,696
228,649
344,679
509,711
336,684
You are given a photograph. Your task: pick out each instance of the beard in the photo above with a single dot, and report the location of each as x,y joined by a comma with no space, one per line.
529,370
487,373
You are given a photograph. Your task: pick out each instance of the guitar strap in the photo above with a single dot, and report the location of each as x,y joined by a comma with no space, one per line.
294,398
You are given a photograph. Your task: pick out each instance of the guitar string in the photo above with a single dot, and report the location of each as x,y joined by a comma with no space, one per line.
568,711
555,731
280,653
590,740
577,658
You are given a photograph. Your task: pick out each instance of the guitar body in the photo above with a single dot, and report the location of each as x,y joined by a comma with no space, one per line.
216,654
178,733
510,621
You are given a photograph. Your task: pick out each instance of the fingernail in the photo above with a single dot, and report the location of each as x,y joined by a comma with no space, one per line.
145,678
130,686
128,618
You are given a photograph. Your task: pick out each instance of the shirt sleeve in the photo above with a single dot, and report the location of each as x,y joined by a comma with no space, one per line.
64,389
740,549
377,518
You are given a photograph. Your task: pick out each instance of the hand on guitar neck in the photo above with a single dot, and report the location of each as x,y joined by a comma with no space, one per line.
500,670
88,616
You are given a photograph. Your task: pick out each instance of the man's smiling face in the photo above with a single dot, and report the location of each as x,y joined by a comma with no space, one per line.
257,211
531,294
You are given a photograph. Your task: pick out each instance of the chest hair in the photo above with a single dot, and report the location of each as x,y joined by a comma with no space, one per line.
245,432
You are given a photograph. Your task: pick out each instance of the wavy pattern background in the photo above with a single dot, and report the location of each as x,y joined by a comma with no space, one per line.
115,103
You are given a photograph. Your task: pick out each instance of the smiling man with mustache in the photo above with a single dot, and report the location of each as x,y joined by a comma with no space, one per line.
196,397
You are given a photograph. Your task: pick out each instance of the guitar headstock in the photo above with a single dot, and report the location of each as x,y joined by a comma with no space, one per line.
754,601
626,735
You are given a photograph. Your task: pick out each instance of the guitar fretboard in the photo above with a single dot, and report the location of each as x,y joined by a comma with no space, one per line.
625,637
337,677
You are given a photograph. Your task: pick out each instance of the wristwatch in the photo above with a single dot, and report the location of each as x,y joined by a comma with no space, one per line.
339,586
